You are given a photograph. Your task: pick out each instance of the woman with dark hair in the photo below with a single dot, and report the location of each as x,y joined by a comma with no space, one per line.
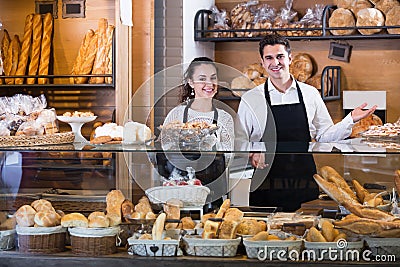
197,101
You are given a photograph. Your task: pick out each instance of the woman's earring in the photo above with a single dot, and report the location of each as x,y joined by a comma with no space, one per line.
192,93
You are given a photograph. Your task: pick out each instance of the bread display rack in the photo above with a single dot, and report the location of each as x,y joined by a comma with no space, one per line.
204,23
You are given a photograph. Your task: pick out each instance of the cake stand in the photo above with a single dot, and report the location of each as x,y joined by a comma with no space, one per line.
76,124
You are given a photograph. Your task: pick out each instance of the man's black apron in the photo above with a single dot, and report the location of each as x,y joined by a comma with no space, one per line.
213,173
290,180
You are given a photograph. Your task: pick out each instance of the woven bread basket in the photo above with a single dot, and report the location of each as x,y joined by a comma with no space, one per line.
190,195
196,246
94,241
41,240
7,239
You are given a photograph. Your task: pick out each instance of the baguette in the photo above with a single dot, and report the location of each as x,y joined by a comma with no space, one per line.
45,47
361,192
26,45
12,56
332,175
158,227
109,53
99,66
35,53
5,43
86,55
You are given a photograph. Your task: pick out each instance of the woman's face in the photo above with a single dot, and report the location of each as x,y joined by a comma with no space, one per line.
204,81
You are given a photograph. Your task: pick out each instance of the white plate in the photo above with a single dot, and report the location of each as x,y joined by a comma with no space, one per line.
76,119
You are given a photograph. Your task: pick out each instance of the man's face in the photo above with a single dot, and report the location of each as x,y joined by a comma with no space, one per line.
276,61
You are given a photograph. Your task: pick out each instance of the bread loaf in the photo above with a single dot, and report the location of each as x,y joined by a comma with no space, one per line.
98,219
249,227
342,17
86,55
386,5
393,19
36,44
47,218
99,66
42,205
25,216
332,175
263,235
45,47
158,227
241,82
74,219
210,230
187,223
301,67
314,235
327,230
114,201
315,81
109,53
5,43
360,4
12,59
370,17
127,208
143,206
233,214
228,229
364,124
26,46
224,207
361,192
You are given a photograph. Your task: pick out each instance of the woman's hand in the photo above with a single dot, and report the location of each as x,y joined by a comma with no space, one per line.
258,160
358,113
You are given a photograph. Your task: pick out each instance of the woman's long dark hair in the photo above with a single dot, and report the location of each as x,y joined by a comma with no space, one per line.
186,91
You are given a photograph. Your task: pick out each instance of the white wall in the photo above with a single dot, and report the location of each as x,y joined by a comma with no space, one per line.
192,49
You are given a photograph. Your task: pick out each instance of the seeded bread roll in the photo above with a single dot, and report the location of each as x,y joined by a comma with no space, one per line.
342,17
370,17
45,47
36,43
393,19
26,46
99,66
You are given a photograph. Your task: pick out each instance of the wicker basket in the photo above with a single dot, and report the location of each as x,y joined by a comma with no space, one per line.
190,195
12,202
196,246
160,248
41,240
384,246
94,241
7,239
48,139
270,249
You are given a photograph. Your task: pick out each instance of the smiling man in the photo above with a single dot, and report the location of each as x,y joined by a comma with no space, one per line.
299,116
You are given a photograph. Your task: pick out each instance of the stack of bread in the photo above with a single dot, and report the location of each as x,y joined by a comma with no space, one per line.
327,233
34,49
95,55
364,13
364,219
142,210
39,214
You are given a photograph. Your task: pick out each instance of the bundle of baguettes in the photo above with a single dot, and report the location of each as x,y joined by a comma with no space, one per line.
95,55
35,49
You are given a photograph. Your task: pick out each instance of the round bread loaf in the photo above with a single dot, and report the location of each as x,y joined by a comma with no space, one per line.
47,218
241,82
342,17
393,19
386,5
42,205
316,81
360,4
249,227
344,3
25,216
370,17
301,67
74,219
364,124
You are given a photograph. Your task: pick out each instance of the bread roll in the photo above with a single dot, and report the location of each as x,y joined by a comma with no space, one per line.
263,235
74,219
224,207
314,235
158,227
386,5
25,216
47,218
45,47
370,17
249,227
228,229
109,53
301,67
143,206
187,223
95,214
233,214
98,219
137,215
327,230
115,219
99,66
342,17
36,44
114,201
42,205
340,236
393,19
26,46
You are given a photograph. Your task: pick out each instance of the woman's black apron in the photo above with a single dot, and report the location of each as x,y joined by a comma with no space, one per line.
213,173
290,179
